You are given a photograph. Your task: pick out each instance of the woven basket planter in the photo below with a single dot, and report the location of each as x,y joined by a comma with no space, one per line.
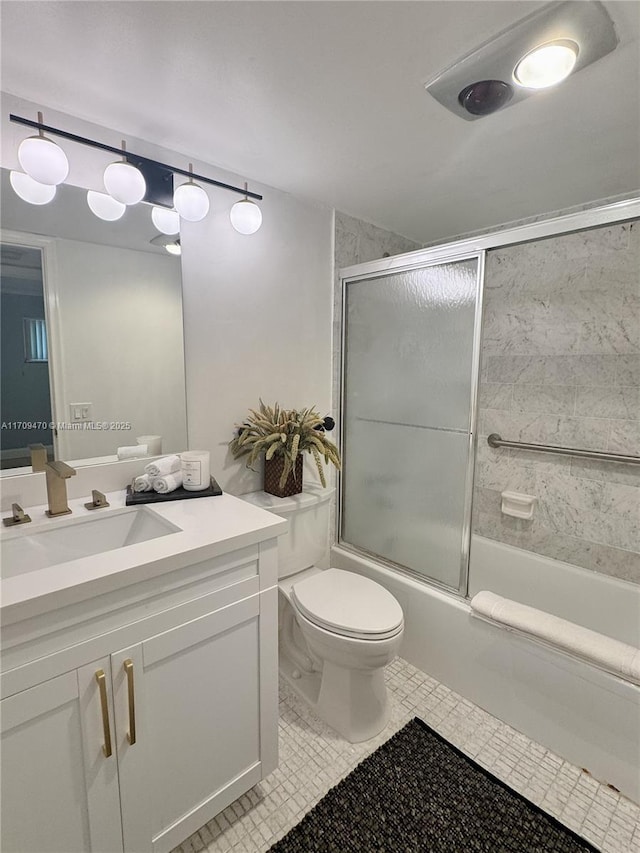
272,473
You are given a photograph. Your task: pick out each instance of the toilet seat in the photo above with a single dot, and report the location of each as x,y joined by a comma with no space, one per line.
348,604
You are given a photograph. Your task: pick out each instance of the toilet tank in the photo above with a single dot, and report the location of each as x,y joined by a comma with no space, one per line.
306,542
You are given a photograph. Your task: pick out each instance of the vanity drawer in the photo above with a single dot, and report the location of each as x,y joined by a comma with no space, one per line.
48,645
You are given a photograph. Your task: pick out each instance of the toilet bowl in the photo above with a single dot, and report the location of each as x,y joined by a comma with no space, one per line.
337,630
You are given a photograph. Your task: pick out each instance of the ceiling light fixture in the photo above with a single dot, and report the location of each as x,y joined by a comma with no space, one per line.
42,159
168,243
245,216
547,64
190,200
132,179
557,40
31,191
105,206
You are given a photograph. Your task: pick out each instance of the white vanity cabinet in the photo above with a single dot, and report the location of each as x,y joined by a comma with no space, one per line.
49,802
131,719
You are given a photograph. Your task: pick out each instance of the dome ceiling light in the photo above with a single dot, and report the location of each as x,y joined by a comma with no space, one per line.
535,54
128,181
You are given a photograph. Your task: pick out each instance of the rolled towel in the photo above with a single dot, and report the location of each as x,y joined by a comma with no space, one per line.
164,466
168,483
133,451
143,483
619,658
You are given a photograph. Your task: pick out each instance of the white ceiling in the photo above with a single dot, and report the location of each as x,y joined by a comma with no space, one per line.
326,100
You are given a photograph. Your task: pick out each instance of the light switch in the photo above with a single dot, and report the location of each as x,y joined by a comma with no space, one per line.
80,412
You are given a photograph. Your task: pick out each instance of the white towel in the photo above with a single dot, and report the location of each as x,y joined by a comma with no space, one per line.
133,451
612,655
143,483
166,484
164,466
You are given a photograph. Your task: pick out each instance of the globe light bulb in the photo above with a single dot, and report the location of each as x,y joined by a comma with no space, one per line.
546,65
191,202
245,216
43,160
31,191
104,206
124,182
166,221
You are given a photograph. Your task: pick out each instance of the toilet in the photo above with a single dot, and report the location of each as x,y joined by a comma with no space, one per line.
337,629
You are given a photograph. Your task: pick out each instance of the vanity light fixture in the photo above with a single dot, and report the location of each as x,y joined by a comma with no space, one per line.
32,191
190,200
105,206
123,181
547,64
135,178
245,216
167,221
42,159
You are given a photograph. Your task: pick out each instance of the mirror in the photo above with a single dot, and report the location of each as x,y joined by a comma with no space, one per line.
92,334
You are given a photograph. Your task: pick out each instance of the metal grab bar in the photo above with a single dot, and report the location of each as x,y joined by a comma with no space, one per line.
494,440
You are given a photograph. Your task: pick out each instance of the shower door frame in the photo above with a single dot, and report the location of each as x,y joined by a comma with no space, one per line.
457,250
392,266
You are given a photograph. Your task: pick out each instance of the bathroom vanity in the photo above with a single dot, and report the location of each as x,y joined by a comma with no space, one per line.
139,680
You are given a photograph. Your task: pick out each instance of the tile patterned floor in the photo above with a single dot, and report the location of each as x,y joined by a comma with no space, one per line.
313,758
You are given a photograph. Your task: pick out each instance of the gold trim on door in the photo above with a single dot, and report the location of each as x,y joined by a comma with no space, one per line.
101,678
131,734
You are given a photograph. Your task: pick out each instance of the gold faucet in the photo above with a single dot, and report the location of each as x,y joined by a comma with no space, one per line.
56,474
38,457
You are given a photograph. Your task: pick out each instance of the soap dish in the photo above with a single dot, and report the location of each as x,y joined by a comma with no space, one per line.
518,505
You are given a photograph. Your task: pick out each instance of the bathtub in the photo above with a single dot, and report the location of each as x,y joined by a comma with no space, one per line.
586,715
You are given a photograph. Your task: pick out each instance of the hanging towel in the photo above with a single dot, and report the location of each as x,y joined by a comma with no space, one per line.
164,466
168,483
143,483
132,451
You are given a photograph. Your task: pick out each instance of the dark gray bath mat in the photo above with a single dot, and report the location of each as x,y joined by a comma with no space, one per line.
419,794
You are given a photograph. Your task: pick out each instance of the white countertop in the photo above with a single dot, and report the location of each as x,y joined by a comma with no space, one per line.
208,527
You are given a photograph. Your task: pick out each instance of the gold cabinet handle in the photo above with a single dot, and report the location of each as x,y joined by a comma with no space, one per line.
102,686
131,734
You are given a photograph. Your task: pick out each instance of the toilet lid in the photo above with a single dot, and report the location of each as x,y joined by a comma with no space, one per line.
349,604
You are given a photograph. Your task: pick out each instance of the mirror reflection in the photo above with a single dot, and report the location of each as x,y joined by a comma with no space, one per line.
92,335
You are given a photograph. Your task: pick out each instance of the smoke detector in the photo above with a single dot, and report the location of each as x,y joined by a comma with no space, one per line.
534,54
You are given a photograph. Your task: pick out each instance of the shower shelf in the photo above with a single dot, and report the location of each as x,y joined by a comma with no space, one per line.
494,440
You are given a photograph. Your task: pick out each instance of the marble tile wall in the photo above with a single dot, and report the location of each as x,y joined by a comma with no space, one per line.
356,242
561,365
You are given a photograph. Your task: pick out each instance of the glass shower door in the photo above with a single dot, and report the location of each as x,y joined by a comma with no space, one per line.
408,383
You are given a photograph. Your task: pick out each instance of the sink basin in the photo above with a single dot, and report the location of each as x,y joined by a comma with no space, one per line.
25,550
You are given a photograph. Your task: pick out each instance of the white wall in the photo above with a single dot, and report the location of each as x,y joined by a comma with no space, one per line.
257,316
257,310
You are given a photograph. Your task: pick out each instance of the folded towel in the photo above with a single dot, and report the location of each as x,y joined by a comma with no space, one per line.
164,485
164,466
133,451
143,483
612,655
